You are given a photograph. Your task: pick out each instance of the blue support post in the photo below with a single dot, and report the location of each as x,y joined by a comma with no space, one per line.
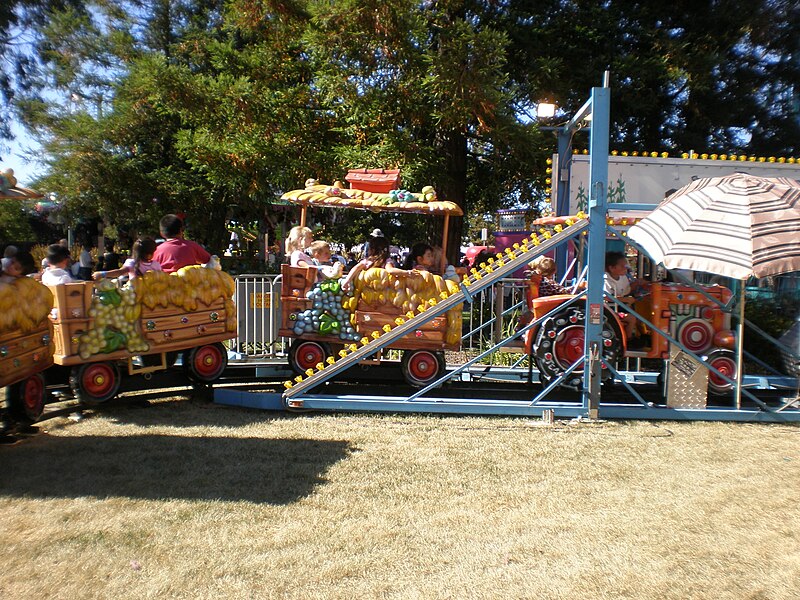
598,168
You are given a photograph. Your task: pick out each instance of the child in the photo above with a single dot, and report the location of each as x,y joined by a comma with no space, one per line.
546,267
8,255
141,262
321,256
420,257
176,252
19,265
378,258
297,241
57,265
617,284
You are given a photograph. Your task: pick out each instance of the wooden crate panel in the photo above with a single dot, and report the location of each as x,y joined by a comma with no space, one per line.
71,300
196,332
376,320
25,355
159,311
181,320
297,281
66,335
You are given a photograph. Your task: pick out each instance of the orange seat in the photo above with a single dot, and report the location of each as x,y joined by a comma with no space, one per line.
533,289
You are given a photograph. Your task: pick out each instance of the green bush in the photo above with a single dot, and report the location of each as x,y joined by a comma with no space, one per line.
774,316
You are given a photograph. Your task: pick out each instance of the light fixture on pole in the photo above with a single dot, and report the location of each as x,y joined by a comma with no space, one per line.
545,110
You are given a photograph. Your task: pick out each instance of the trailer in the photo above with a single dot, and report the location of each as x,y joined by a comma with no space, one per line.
101,329
26,346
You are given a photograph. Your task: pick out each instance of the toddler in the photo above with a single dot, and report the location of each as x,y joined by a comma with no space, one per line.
298,240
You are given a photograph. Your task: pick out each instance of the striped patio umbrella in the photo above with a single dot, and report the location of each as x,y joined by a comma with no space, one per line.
737,226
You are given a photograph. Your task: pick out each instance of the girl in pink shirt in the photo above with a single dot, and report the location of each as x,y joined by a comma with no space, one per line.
141,263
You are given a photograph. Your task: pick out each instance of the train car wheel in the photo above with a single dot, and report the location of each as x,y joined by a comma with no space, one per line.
307,354
421,367
205,364
723,361
95,383
26,399
560,342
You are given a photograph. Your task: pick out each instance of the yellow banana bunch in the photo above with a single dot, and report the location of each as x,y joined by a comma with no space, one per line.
377,287
230,315
24,305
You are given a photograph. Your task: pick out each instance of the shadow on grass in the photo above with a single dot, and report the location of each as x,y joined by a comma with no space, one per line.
271,471
182,409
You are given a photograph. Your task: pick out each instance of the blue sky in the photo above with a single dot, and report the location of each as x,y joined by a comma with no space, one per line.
24,170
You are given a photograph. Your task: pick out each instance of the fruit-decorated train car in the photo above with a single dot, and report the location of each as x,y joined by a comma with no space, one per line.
26,346
100,328
322,318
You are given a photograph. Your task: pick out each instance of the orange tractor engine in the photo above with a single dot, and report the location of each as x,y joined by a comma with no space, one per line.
680,311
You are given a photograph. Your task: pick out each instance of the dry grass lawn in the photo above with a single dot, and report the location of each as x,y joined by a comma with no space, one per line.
192,500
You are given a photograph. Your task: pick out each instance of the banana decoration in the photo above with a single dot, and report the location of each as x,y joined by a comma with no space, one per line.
377,288
24,305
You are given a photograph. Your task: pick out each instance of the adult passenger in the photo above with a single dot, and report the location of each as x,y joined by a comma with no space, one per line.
175,252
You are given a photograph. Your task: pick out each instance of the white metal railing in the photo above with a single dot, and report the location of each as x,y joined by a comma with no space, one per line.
258,306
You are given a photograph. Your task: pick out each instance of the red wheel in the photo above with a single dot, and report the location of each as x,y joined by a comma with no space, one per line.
696,334
307,354
205,364
26,399
421,367
95,383
559,343
568,346
724,362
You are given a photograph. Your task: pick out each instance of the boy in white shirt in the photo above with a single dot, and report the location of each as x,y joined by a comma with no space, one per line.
617,284
58,261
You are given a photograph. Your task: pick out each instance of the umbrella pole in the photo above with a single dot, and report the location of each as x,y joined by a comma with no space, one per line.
445,233
740,350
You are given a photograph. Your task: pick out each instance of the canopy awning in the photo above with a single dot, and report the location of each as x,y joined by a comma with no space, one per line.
323,196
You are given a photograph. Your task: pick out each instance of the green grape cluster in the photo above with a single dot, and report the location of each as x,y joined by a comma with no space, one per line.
115,313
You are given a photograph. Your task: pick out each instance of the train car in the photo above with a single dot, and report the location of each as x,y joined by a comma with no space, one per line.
100,329
26,346
321,318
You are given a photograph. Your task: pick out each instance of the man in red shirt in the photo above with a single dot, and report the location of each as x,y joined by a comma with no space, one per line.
177,252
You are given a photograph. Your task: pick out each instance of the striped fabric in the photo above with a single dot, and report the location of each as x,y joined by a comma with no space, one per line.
737,225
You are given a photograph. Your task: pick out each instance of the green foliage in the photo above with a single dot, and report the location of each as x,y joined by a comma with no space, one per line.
14,225
774,316
210,107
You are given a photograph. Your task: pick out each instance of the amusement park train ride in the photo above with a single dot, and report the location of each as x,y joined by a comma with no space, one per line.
400,328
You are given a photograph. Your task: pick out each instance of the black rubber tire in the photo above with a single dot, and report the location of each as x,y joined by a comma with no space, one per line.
95,383
26,399
421,367
205,364
306,354
559,343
